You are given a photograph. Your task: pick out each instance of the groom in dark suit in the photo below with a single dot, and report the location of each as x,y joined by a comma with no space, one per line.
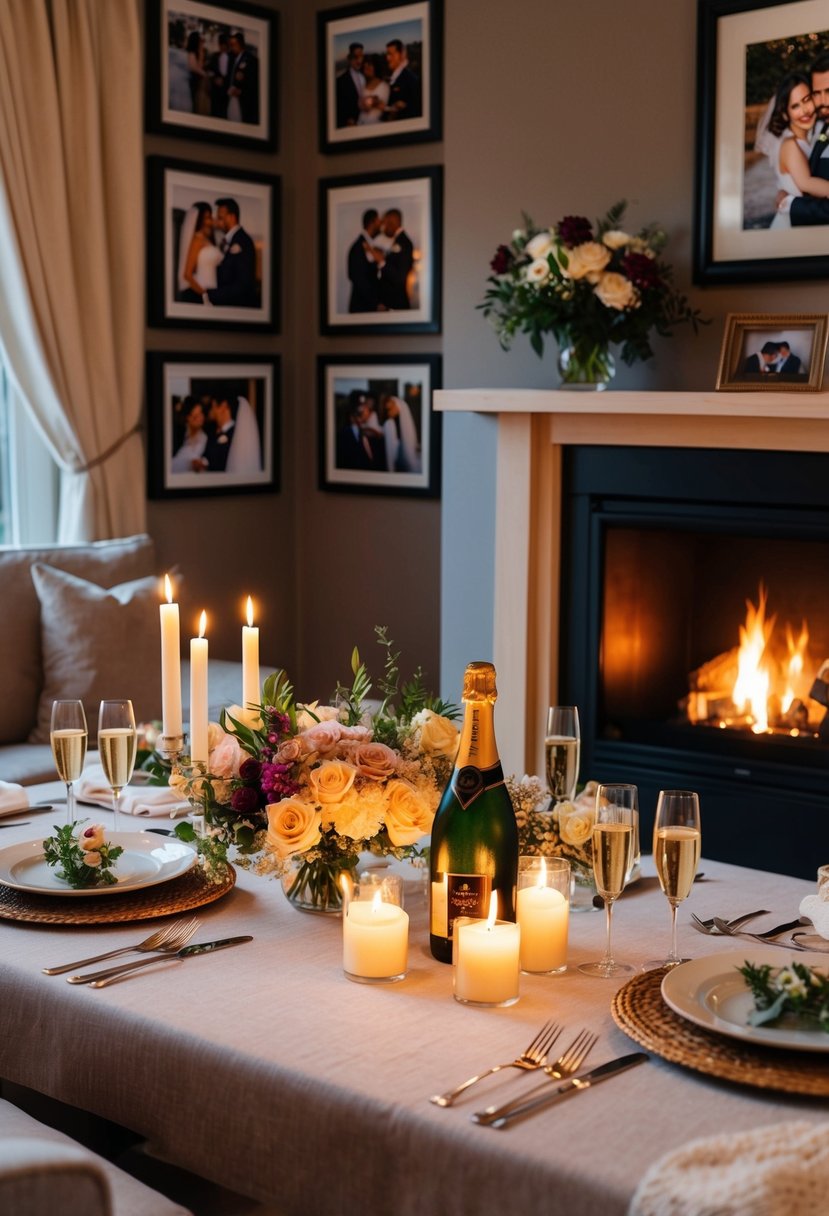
236,273
806,209
394,275
244,77
363,266
217,450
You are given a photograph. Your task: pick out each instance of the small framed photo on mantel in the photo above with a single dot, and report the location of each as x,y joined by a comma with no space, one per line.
773,352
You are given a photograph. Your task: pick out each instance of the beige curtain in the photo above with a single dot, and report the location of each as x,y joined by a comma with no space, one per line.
72,247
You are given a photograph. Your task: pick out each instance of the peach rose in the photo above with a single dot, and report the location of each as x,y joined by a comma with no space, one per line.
289,751
331,781
322,737
586,261
408,817
92,859
614,238
375,760
615,291
91,838
293,826
438,736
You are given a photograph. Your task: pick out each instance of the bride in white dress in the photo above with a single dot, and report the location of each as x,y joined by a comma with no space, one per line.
787,142
245,455
199,256
400,433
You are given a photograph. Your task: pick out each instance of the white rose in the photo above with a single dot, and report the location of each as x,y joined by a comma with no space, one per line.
576,826
91,838
541,244
439,736
538,272
615,291
293,826
586,261
616,239
92,859
313,713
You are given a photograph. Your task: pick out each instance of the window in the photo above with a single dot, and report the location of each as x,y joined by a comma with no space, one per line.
29,477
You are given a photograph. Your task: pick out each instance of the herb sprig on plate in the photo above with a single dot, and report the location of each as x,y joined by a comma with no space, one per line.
85,858
796,989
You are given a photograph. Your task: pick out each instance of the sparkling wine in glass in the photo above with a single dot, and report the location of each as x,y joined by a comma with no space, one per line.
562,746
613,843
677,841
68,736
116,746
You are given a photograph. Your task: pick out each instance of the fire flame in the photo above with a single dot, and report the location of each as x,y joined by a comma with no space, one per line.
796,663
751,690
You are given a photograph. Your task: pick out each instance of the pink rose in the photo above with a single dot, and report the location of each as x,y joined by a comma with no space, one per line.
92,858
322,738
355,734
225,757
289,751
375,760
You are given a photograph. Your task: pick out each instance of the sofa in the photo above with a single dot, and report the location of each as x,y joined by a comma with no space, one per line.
81,621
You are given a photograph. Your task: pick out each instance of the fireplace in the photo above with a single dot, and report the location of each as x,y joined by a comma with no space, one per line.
662,550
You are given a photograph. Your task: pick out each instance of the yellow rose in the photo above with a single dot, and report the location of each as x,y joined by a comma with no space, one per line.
293,826
575,826
331,780
408,816
586,261
615,291
439,736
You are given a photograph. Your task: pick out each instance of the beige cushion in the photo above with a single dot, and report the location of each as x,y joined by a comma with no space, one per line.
103,562
97,644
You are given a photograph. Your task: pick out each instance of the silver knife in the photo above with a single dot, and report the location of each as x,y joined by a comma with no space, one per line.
185,952
505,1115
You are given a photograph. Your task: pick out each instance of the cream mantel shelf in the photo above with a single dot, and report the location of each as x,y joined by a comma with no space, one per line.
533,426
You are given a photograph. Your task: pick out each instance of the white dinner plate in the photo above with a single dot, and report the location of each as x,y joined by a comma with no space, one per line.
712,993
147,859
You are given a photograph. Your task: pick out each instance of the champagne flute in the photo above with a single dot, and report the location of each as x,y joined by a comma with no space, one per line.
68,736
562,747
116,745
612,862
677,841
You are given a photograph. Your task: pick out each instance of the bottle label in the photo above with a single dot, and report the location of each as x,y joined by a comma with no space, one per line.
470,782
466,895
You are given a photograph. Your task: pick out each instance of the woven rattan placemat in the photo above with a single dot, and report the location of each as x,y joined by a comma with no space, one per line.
639,1010
192,890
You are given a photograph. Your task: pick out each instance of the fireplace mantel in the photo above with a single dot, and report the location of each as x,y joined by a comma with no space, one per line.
533,426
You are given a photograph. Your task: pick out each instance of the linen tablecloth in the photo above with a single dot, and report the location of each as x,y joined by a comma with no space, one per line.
264,1069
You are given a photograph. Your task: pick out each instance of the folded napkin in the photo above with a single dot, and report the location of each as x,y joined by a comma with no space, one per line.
816,909
135,800
776,1170
13,798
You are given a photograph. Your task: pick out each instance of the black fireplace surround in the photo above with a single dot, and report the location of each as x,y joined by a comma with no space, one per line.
661,549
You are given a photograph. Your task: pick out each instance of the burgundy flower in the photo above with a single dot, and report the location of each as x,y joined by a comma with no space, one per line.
249,770
245,800
502,261
641,270
575,230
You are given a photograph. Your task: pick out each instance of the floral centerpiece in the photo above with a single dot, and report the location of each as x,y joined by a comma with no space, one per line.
307,787
563,830
590,288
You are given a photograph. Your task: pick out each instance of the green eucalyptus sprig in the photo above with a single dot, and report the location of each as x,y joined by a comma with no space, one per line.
85,859
797,989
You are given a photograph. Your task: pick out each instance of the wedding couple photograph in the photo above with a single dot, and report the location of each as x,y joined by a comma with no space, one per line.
210,70
217,241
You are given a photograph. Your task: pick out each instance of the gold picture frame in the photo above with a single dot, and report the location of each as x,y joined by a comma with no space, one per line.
768,352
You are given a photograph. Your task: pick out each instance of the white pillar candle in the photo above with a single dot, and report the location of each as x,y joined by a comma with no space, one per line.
375,940
486,959
198,695
170,663
543,915
251,693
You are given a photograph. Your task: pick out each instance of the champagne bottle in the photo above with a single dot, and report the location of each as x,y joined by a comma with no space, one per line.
474,836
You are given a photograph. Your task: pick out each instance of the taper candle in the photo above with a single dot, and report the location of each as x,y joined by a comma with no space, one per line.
198,695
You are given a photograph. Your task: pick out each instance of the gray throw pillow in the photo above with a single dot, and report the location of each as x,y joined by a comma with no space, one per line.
97,644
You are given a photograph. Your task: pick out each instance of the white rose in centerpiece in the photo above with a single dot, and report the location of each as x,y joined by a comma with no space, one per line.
538,272
439,736
251,718
575,824
616,239
313,713
92,859
540,245
331,781
615,291
293,826
586,261
91,838
357,817
408,816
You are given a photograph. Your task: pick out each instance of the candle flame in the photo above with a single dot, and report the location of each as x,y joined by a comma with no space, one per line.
493,910
376,902
250,611
202,624
168,588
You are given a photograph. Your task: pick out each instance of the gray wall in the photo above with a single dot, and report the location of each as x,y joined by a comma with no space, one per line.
550,108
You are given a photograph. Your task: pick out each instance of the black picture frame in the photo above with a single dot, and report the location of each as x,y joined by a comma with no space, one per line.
168,92
173,189
410,380
736,193
418,24
396,300
171,378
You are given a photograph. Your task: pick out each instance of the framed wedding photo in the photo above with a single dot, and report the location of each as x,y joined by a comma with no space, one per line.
378,433
211,247
771,352
762,173
212,72
212,424
380,68
380,242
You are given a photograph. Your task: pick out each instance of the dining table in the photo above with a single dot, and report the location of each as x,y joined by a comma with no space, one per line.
263,1068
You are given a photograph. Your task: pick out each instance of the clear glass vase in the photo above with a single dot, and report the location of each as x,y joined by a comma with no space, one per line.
316,886
585,363
583,889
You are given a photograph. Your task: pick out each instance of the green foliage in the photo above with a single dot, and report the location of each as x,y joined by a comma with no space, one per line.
797,990
63,850
211,849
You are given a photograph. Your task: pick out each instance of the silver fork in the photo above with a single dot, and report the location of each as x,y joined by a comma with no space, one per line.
709,927
181,933
728,930
529,1060
569,1061
156,941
